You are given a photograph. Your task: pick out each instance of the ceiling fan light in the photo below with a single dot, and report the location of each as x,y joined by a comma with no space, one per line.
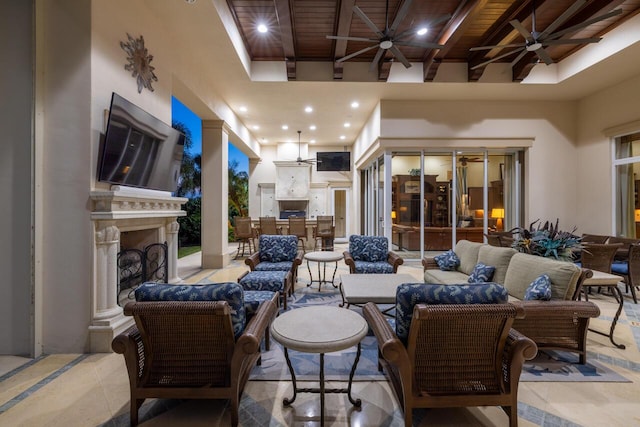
422,31
386,44
534,46
312,127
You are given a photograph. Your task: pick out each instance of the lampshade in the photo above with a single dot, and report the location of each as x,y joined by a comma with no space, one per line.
637,214
393,214
497,213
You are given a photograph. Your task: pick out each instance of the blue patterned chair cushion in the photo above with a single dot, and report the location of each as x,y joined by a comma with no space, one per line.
274,266
368,248
277,248
264,281
253,299
230,292
410,294
620,267
379,267
481,273
539,289
447,261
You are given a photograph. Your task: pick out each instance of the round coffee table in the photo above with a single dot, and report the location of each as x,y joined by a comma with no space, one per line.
323,257
321,329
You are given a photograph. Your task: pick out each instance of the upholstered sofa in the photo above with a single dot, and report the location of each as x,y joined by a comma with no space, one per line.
560,323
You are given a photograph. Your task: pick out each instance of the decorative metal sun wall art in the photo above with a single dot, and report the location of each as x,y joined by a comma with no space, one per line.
139,62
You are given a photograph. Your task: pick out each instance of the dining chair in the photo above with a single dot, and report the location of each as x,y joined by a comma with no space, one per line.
298,228
598,256
324,233
268,226
244,233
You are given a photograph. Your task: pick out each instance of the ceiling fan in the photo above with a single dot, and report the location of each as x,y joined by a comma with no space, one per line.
300,160
536,41
464,160
387,40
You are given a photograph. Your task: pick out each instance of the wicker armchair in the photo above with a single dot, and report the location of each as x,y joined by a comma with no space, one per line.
277,253
370,254
192,349
449,354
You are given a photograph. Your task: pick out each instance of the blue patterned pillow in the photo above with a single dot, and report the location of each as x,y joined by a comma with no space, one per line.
368,248
481,273
447,261
539,289
230,292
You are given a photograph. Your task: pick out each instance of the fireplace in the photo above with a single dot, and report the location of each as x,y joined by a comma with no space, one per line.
126,218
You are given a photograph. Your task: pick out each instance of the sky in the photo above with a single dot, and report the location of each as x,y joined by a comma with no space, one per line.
181,113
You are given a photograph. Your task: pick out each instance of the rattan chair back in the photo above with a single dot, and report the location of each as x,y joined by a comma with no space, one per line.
599,256
268,225
594,238
298,228
324,232
244,234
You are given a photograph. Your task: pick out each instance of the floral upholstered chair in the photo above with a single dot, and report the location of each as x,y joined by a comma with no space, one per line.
370,254
277,253
191,342
473,356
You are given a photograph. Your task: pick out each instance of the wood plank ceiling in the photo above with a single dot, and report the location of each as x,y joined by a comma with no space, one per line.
298,31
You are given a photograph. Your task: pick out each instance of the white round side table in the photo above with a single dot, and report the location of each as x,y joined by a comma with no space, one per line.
322,258
319,329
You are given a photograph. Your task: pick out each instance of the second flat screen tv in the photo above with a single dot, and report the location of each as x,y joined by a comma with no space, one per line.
333,161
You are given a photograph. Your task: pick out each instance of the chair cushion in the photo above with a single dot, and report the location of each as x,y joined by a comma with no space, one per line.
276,248
366,267
274,266
539,289
439,277
481,273
230,292
498,257
273,281
620,267
410,294
253,299
368,248
447,261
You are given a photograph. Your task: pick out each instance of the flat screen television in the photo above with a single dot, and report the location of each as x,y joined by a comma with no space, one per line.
139,150
333,161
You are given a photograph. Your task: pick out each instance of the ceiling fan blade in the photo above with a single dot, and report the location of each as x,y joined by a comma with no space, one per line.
367,21
344,58
376,59
504,55
563,17
544,56
519,57
404,9
432,23
424,45
586,23
396,52
353,39
571,41
521,29
497,46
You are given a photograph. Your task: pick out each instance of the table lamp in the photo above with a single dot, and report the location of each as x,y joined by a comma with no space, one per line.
393,216
498,214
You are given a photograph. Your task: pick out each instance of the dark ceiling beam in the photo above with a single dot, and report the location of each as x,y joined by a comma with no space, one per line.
449,35
384,68
342,29
283,14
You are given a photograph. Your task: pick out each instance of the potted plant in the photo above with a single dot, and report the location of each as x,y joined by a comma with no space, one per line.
547,241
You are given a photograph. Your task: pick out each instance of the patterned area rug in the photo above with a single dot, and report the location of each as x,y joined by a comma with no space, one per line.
551,366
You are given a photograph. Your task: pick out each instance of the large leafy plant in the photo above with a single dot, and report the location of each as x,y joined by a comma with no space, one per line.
547,241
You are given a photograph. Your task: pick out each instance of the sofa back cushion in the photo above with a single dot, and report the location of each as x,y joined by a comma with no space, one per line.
368,248
524,269
230,292
497,257
410,294
468,253
277,248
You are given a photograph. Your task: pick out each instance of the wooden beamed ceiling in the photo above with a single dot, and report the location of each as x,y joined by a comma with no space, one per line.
298,30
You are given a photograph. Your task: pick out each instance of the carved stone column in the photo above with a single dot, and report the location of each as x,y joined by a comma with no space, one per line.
172,229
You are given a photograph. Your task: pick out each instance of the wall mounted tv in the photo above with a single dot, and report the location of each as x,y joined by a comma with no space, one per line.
139,150
333,161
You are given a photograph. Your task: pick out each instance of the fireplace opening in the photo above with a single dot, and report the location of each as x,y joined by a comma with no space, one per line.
137,266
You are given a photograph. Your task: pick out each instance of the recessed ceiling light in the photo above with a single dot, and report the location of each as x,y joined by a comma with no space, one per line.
422,31
313,141
190,1
285,127
256,127
343,137
355,104
347,124
262,28
243,108
312,127
308,109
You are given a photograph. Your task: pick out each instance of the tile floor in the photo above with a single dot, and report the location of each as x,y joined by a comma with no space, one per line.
92,389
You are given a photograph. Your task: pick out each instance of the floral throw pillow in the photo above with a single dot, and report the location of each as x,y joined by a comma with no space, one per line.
539,289
447,261
481,273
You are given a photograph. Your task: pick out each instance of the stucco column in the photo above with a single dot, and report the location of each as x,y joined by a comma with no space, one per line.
172,229
215,203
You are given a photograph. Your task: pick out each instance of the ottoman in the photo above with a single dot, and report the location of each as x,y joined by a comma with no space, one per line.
274,281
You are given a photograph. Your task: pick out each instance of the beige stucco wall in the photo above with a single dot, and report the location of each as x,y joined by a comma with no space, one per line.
609,108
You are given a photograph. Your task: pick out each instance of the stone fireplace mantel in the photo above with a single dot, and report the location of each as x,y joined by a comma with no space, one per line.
115,211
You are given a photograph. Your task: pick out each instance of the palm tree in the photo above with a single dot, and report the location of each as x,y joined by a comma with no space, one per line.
238,190
190,171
